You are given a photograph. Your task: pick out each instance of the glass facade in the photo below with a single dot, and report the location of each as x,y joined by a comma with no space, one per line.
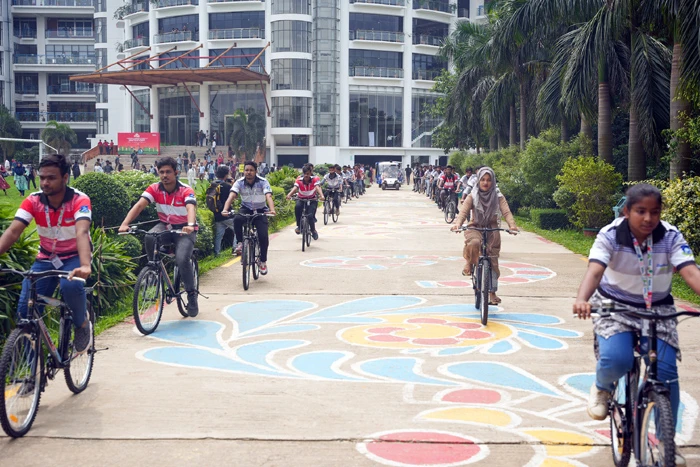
178,24
179,118
102,121
376,116
140,118
177,64
140,31
376,58
237,20
427,66
291,36
291,112
238,57
226,100
291,73
326,54
70,54
369,22
100,29
297,7
422,123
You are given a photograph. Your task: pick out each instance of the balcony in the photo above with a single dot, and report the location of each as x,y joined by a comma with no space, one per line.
27,89
428,75
138,42
182,36
376,72
69,34
169,3
56,3
236,33
463,13
383,36
54,60
139,7
425,39
433,5
85,117
83,89
381,2
24,33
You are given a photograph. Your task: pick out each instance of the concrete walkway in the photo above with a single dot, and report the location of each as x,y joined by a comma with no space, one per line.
364,350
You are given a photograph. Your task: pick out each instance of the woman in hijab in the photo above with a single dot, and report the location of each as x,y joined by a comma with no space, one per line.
21,179
486,204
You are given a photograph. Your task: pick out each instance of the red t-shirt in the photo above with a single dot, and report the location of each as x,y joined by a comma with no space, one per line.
307,190
54,238
171,207
448,182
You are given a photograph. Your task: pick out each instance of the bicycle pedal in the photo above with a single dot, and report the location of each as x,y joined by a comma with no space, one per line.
202,295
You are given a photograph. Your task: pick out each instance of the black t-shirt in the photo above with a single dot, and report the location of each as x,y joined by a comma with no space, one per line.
225,190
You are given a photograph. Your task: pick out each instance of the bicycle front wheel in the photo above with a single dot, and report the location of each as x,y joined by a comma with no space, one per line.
79,368
245,263
336,212
304,233
656,432
255,260
326,211
620,421
450,212
179,285
21,363
149,293
485,280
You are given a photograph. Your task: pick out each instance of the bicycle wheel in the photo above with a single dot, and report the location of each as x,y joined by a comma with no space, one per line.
485,280
336,212
179,286
255,260
304,232
326,211
308,233
245,263
476,286
450,212
620,426
21,364
656,432
149,293
79,369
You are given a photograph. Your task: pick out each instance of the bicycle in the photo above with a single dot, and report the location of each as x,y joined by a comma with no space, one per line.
632,408
304,224
250,254
330,207
154,288
25,367
450,207
347,192
481,272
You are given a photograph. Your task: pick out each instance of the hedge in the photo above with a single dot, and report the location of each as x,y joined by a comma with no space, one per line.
550,219
109,198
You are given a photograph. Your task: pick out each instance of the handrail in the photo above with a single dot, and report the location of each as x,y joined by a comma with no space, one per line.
376,72
371,35
236,33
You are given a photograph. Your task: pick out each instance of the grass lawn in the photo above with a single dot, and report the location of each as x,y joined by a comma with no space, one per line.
13,198
579,243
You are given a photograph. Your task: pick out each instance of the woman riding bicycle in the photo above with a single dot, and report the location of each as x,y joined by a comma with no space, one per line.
632,263
484,204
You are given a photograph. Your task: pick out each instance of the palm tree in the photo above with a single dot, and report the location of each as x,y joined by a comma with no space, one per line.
10,127
59,135
247,131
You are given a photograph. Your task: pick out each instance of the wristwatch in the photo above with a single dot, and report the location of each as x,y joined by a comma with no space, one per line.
191,224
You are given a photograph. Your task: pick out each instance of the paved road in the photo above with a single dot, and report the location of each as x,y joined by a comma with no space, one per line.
366,349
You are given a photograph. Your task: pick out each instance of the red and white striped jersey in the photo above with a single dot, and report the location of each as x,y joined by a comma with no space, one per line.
54,238
307,190
448,182
171,207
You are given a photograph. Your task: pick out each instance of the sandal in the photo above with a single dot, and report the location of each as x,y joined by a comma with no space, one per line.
494,299
466,272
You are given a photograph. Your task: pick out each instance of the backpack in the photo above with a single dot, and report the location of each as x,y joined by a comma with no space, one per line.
214,202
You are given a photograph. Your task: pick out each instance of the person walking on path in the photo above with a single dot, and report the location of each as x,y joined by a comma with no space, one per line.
3,183
101,147
20,175
222,223
408,174
31,176
191,176
76,170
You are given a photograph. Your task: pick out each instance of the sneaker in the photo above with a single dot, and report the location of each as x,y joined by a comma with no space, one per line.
263,268
598,403
297,231
239,249
314,235
83,338
680,460
192,306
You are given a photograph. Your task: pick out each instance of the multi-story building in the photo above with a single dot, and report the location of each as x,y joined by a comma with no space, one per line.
5,56
52,40
350,80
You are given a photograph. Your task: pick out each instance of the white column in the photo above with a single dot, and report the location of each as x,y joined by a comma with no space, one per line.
344,91
155,111
203,34
407,76
204,106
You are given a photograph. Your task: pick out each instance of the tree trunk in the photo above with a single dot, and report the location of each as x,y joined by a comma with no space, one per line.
564,130
501,143
636,159
586,128
680,162
513,137
493,143
523,117
605,123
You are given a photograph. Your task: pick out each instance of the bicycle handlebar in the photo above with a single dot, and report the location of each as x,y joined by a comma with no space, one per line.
607,310
296,198
487,229
133,231
39,274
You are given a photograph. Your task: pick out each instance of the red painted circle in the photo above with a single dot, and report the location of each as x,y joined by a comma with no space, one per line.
473,396
440,341
423,448
386,330
386,338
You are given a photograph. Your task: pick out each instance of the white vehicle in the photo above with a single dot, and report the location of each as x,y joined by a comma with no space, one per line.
389,175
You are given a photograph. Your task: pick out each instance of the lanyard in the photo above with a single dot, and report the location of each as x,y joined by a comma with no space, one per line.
647,269
56,230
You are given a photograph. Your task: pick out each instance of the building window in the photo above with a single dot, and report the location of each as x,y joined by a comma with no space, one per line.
376,58
140,30
291,73
239,57
422,122
291,112
291,36
297,7
141,118
101,30
75,54
179,24
101,92
376,116
192,60
26,83
237,20
100,6
370,22
25,28
102,122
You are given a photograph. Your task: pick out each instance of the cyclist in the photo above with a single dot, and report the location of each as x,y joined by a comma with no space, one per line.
176,205
308,186
333,181
446,182
347,177
63,216
484,202
632,263
256,197
467,181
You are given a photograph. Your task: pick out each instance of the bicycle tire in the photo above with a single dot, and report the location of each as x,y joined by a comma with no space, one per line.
255,259
179,286
620,411
245,263
308,233
304,233
326,208
485,286
657,447
450,212
14,391
78,371
335,213
148,305
476,287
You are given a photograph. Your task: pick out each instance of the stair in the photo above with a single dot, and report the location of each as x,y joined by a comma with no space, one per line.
148,160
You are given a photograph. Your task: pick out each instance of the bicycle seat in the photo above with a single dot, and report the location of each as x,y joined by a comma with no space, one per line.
165,249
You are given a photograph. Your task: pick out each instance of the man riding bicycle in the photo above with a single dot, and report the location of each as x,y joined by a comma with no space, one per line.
63,216
333,181
256,197
308,187
176,205
446,182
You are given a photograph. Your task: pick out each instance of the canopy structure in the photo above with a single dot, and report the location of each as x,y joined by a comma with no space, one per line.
132,71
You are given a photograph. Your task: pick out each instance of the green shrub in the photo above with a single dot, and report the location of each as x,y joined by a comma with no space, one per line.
541,162
287,184
524,212
594,184
283,207
205,235
276,177
565,200
681,200
109,198
112,267
550,219
135,182
322,169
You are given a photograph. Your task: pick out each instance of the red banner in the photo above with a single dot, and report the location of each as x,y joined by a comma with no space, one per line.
142,143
